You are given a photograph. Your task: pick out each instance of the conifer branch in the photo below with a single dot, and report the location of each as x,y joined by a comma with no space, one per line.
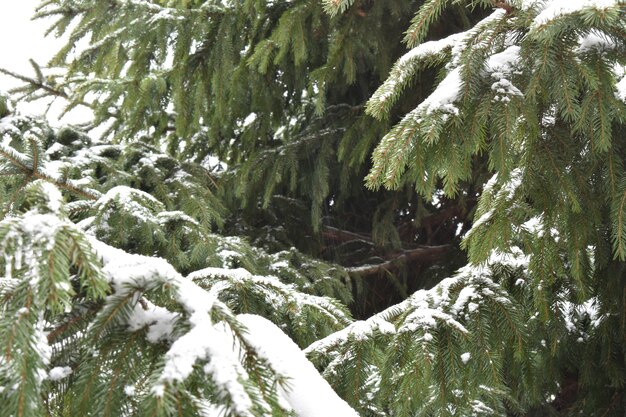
56,92
16,194
533,102
59,330
36,83
36,174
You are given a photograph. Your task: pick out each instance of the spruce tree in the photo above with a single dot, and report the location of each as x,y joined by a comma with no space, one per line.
122,295
96,316
536,91
287,84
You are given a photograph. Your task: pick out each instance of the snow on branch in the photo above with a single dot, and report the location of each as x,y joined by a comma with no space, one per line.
551,10
308,394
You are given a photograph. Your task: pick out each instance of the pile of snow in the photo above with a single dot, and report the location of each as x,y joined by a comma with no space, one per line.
59,372
444,96
595,41
308,394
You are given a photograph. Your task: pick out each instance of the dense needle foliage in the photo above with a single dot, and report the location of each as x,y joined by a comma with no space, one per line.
464,199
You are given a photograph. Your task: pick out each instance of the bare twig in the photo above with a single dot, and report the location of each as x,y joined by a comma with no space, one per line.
421,254
333,233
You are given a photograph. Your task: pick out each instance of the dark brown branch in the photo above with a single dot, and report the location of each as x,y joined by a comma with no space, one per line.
422,254
503,5
441,216
144,304
59,330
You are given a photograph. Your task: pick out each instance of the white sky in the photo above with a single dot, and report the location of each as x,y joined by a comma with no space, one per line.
22,39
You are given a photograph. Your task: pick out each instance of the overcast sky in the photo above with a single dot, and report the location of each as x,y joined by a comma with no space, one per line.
21,39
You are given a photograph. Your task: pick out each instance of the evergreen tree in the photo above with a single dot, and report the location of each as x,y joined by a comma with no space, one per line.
536,91
276,90
119,297
96,316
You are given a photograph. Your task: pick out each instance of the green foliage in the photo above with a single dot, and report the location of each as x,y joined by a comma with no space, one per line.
92,329
428,353
531,92
277,92
5,105
52,316
510,116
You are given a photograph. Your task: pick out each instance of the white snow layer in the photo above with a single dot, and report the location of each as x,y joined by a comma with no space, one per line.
275,292
595,41
249,119
308,393
53,195
557,8
202,343
504,63
127,200
215,345
431,48
359,330
501,66
449,89
444,96
471,38
159,321
429,308
59,372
